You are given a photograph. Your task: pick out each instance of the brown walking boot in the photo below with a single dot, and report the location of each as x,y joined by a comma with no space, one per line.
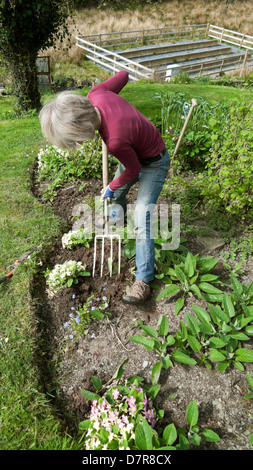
138,293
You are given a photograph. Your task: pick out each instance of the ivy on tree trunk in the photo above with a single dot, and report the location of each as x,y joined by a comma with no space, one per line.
27,27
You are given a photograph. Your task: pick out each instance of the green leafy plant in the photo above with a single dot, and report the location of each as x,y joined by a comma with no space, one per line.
191,275
123,417
58,166
228,183
118,416
80,319
249,396
216,336
250,386
196,143
64,275
76,237
242,296
160,341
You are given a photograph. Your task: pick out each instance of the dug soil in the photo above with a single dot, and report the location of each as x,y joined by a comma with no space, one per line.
67,365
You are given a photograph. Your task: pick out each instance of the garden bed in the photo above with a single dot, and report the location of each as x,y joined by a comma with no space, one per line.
106,344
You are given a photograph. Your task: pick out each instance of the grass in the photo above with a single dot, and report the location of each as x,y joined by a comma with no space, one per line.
28,419
141,95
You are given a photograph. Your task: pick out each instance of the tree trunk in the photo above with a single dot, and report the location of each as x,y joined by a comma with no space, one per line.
25,81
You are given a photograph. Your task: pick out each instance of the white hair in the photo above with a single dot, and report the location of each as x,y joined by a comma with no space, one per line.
68,119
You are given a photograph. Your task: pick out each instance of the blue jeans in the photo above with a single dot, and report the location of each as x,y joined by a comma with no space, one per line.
151,180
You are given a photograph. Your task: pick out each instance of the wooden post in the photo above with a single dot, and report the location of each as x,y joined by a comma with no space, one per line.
142,37
241,41
244,63
207,30
222,35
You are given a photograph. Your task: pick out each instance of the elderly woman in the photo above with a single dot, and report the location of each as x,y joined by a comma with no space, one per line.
134,141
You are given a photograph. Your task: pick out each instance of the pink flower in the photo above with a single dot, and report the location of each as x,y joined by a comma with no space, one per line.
115,394
131,401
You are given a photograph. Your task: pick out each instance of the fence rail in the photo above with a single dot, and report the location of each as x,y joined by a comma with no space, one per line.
120,39
232,37
113,61
209,68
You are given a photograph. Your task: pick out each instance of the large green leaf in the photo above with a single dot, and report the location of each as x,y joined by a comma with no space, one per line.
180,274
210,436
202,315
189,265
209,288
149,331
169,434
90,395
143,436
228,305
192,413
244,355
148,343
216,356
156,373
179,305
164,326
183,358
169,290
97,382
217,312
206,264
194,343
192,323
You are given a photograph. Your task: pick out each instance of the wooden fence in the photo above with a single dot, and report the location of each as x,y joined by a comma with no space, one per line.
123,39
112,61
232,37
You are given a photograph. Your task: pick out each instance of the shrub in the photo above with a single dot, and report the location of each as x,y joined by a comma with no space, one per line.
228,183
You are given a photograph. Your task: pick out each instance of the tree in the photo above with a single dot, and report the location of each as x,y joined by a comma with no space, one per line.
26,27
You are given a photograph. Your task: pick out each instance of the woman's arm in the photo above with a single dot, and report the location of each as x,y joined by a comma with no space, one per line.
127,156
115,83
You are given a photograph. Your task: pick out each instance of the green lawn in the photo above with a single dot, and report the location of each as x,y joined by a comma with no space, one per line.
28,420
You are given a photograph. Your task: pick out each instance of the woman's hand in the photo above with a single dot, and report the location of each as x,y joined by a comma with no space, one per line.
108,193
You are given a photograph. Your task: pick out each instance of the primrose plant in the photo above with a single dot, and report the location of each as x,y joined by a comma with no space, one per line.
64,275
124,417
115,416
76,237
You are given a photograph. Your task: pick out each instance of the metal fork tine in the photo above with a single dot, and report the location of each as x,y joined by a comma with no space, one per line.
95,252
106,228
111,256
102,257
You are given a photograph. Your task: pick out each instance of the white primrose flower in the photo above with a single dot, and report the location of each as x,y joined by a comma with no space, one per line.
58,277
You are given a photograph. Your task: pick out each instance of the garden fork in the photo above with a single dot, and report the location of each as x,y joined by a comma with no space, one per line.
106,234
